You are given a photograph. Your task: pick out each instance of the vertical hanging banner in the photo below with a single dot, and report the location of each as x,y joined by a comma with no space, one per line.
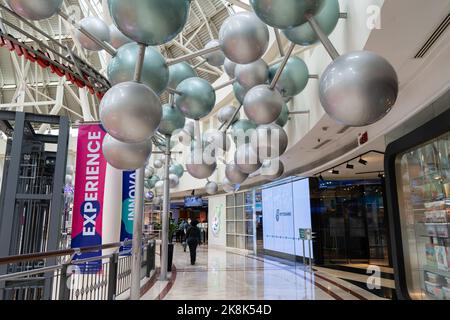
89,194
128,204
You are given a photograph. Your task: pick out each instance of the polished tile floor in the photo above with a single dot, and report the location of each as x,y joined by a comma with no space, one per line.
229,275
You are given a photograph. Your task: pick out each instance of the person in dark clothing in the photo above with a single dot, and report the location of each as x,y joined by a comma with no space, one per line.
193,240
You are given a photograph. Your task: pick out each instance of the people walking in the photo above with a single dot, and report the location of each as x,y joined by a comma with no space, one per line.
193,240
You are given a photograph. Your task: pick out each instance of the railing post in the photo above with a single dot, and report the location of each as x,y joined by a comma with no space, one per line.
150,257
64,290
112,277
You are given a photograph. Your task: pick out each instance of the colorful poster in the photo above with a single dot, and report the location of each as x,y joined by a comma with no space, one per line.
88,194
128,204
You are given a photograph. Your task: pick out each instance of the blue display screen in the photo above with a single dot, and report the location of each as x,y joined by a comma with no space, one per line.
193,201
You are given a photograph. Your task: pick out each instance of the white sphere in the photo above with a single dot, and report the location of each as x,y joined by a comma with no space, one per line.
227,186
69,179
252,74
216,58
149,171
244,38
246,159
117,38
158,164
126,156
35,9
269,141
218,139
174,181
70,170
263,105
234,174
272,169
97,28
131,112
211,188
159,187
226,113
229,67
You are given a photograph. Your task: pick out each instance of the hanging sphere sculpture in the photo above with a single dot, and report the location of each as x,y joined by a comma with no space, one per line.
197,98
118,39
172,120
69,179
217,138
252,74
327,17
35,9
269,141
96,27
70,170
216,58
155,72
130,112
272,169
180,72
174,181
239,92
211,188
282,14
242,131
244,38
293,79
226,113
149,171
228,187
263,105
151,22
202,170
177,169
246,159
229,67
234,174
159,187
150,183
158,163
358,88
284,116
126,156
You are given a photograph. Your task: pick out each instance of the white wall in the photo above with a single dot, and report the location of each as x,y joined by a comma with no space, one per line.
217,216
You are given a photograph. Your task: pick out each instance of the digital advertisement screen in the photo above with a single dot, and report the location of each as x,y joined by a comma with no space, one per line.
193,201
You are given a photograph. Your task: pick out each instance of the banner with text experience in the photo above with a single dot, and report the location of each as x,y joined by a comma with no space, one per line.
128,204
89,194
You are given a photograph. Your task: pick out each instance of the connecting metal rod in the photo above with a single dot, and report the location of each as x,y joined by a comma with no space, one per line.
224,85
106,46
313,76
300,112
173,91
281,68
193,55
240,4
135,291
279,43
230,123
331,49
165,214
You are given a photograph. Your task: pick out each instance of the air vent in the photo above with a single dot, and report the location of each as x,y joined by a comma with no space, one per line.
322,144
434,38
343,130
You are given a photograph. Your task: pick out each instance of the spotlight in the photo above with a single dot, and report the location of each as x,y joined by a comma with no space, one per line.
362,161
334,171
381,175
350,166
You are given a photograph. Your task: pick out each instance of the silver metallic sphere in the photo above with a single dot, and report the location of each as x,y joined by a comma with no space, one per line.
211,188
293,79
158,163
126,156
172,120
269,141
149,172
216,58
155,72
234,174
35,9
174,181
246,159
244,38
242,130
263,105
226,113
186,135
239,92
152,22
159,187
130,112
96,27
218,139
229,67
151,182
70,170
327,17
177,169
358,88
197,99
69,179
157,201
252,74
227,186
202,170
272,169
282,14
118,39
180,72
284,116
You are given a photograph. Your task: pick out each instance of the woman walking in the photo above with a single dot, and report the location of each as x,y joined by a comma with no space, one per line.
193,240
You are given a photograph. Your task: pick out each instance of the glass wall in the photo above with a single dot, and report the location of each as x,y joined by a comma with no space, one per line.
239,220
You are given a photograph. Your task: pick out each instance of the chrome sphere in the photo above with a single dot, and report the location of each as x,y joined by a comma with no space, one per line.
152,22
242,130
269,141
227,186
358,88
180,72
177,169
69,179
118,39
252,74
96,27
126,156
327,17
216,58
174,181
218,139
229,67
149,171
172,120
151,182
202,170
282,14
293,79
263,105
155,72
130,112
234,174
158,163
159,187
272,169
246,159
226,113
244,38
197,99
35,9
157,201
239,92
70,170
211,188
284,116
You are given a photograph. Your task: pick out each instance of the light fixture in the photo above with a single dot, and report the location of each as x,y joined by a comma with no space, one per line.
381,175
334,171
362,161
350,166
321,178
